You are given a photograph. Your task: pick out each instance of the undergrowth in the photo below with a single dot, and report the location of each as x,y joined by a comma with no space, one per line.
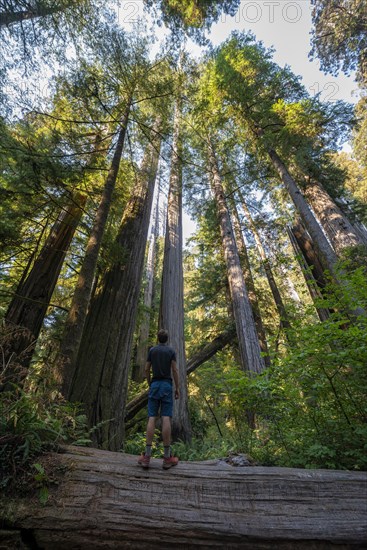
31,424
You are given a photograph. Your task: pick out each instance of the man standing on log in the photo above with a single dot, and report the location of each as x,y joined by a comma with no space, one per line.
162,360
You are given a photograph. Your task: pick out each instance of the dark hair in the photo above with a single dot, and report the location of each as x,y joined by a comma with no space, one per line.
162,336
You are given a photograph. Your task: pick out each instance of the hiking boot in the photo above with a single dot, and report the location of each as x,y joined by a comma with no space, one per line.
144,460
169,462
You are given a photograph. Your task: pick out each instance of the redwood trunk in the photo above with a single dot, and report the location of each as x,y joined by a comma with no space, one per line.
306,257
267,268
7,18
358,226
75,321
101,379
336,225
28,308
324,249
310,253
249,347
106,502
246,268
138,372
171,315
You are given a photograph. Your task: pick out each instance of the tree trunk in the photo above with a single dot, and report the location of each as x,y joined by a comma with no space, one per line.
28,308
101,378
324,249
171,315
200,357
75,321
39,10
138,372
249,282
337,227
309,252
284,320
359,227
306,256
249,347
106,501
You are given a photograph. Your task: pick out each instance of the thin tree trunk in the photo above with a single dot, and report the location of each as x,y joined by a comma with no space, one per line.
336,225
324,249
249,347
39,10
200,357
75,321
171,315
101,379
28,308
246,268
138,372
284,320
305,263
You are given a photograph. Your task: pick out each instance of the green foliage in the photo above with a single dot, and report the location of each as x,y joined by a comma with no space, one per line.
314,398
310,405
339,35
191,16
31,423
42,480
360,143
135,444
200,449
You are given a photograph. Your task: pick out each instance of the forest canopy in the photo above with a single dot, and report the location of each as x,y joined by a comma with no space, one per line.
266,302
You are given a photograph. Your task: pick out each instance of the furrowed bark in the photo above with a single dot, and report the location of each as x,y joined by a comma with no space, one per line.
27,310
324,249
307,258
75,321
246,268
267,268
101,379
171,315
358,226
105,501
249,347
336,225
138,371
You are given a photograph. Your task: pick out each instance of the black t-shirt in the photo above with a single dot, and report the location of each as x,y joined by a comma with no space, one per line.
160,357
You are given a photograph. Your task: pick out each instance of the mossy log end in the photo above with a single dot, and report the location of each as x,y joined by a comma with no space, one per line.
105,500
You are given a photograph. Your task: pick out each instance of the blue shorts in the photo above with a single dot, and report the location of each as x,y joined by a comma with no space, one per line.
160,395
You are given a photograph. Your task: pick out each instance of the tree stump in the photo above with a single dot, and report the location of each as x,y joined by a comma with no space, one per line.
105,500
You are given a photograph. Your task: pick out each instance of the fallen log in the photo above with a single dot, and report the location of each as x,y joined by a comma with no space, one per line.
105,500
203,355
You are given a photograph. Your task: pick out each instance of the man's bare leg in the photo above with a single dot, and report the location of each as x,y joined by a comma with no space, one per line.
150,431
166,431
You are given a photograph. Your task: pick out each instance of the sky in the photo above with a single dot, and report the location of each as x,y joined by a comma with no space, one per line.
286,26
281,24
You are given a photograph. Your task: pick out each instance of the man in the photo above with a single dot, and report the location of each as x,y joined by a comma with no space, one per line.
162,361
